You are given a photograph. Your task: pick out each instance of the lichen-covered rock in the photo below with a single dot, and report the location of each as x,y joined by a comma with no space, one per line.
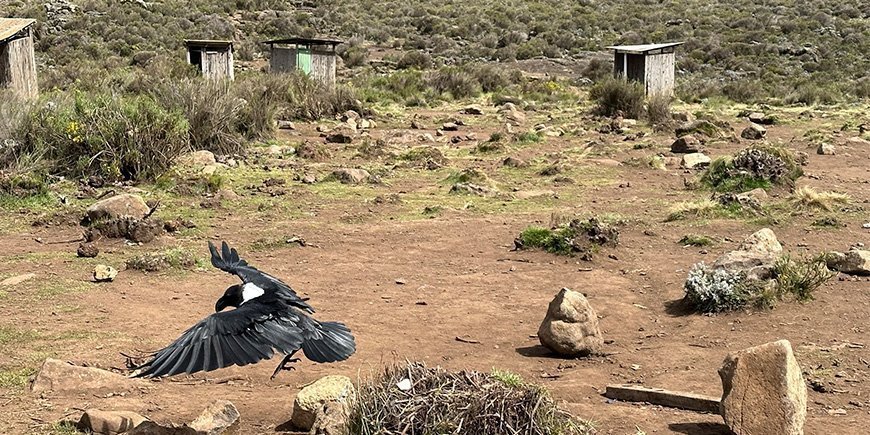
763,391
312,398
753,132
570,327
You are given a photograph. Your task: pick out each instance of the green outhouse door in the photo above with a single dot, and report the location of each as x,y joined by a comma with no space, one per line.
303,60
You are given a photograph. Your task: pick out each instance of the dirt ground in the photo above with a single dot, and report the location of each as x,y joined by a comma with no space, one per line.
408,283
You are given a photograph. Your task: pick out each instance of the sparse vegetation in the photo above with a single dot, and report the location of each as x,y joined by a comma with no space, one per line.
578,237
447,402
176,258
696,240
808,198
801,277
757,166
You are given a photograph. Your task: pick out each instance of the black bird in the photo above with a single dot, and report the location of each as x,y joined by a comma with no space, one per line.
268,316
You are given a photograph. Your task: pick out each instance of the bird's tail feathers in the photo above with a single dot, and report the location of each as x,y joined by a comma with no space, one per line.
334,343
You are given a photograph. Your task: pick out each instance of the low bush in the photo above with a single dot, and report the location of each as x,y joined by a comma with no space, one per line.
613,96
417,399
801,277
809,198
714,290
658,111
757,166
578,237
118,138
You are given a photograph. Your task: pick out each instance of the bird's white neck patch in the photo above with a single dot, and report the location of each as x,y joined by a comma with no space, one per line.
251,291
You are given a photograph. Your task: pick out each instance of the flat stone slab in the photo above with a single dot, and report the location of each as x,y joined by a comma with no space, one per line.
662,397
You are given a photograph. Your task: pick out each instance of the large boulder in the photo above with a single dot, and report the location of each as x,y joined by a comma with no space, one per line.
118,206
755,257
853,262
753,132
571,326
197,159
686,145
219,417
695,160
763,391
311,399
108,422
56,375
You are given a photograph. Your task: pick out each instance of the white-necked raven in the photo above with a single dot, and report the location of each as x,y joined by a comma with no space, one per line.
268,316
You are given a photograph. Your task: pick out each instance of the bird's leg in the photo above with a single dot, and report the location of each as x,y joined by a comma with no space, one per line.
283,366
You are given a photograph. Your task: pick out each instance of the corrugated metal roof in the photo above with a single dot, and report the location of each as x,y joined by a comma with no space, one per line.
325,41
643,48
9,27
210,43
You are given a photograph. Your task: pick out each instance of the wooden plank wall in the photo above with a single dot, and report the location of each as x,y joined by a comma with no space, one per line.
660,74
323,66
18,67
283,60
217,64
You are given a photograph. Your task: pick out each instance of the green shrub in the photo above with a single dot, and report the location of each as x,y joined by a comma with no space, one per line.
457,82
129,138
802,277
577,237
598,69
613,96
415,60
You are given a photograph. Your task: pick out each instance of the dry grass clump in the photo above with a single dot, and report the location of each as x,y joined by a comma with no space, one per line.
415,399
702,209
809,198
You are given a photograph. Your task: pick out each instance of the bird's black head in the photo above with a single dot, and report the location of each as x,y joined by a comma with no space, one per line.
231,298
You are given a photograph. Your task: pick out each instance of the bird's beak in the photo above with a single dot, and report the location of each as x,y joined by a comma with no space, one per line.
220,305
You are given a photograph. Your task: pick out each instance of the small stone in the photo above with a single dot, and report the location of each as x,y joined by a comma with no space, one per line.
472,110
108,422
753,132
103,273
417,125
695,160
761,119
763,241
87,250
15,280
340,134
286,125
686,145
219,417
570,327
309,179
826,149
310,399
470,189
450,126
513,162
763,391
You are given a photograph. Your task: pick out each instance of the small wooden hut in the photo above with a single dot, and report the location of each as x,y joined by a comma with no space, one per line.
313,56
650,64
213,58
17,60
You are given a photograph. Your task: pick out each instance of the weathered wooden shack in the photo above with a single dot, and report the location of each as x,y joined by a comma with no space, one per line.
17,60
650,64
313,56
213,58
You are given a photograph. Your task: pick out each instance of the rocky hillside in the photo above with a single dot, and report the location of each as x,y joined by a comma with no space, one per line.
803,50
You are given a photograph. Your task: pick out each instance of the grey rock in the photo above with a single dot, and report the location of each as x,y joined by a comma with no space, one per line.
826,149
103,273
219,417
853,262
58,376
351,176
695,160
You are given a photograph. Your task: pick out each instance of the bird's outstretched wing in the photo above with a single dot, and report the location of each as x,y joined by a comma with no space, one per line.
229,261
242,336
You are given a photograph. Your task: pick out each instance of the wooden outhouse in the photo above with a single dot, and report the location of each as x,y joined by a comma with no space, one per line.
315,57
650,64
17,60
213,58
